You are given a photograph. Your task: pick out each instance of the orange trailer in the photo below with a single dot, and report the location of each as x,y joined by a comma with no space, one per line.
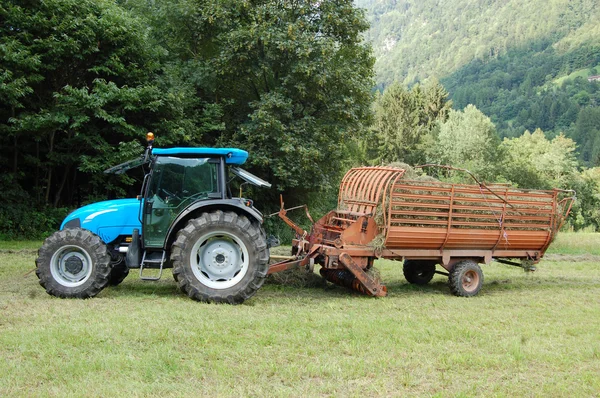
425,223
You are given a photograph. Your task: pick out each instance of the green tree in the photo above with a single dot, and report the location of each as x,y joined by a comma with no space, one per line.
80,84
588,199
468,139
293,78
533,161
405,121
587,135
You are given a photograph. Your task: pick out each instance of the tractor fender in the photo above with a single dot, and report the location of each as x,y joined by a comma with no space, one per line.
238,205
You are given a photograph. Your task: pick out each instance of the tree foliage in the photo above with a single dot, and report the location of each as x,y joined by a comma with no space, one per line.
533,161
294,79
523,63
414,40
468,139
82,81
405,121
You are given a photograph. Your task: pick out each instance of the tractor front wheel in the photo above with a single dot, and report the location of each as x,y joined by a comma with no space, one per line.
73,263
220,257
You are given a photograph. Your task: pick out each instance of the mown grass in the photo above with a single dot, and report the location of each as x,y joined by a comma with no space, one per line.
526,334
575,243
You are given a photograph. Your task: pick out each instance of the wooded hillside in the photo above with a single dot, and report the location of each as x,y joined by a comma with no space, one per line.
525,64
413,40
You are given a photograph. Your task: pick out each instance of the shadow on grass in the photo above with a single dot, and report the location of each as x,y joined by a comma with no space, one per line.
135,287
276,292
436,287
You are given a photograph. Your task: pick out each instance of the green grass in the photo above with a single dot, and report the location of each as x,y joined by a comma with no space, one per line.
20,245
526,334
578,73
577,243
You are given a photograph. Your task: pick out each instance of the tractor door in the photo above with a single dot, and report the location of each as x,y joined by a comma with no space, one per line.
175,184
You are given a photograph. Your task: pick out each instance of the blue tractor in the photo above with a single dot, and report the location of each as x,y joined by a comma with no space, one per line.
186,218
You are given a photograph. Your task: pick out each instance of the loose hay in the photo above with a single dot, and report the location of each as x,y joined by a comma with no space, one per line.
374,273
297,277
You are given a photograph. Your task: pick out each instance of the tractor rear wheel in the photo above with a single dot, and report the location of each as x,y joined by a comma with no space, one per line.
466,279
73,263
220,257
419,272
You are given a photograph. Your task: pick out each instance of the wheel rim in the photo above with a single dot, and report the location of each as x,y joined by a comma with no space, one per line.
71,266
470,281
219,260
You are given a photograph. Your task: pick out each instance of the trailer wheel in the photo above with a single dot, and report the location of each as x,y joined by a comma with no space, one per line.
419,272
220,257
466,279
73,263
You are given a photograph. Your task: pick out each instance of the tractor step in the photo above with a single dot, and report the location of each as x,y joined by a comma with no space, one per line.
152,261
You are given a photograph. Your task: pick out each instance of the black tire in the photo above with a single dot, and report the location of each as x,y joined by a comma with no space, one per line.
73,263
118,274
220,257
419,272
466,279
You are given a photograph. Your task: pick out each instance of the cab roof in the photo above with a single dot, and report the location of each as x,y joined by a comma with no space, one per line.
232,155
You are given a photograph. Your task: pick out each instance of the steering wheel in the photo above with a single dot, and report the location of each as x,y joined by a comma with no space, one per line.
169,195
197,196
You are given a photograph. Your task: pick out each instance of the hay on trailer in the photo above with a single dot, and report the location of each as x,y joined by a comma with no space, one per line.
378,242
410,174
490,218
484,206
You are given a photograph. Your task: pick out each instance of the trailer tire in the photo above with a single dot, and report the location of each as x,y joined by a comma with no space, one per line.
220,257
466,279
73,263
419,272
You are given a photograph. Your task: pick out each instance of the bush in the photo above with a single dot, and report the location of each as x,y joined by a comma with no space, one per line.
20,218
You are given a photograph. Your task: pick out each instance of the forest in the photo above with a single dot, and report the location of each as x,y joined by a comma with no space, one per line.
303,86
525,64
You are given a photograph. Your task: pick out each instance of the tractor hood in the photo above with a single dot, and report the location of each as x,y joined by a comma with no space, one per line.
109,219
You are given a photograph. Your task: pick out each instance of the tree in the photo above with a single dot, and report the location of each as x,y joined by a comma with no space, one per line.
533,161
76,88
405,121
80,83
468,139
293,78
587,135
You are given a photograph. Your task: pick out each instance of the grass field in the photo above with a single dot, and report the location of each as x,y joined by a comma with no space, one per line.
526,334
578,73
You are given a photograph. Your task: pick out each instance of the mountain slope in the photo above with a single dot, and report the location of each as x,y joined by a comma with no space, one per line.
415,39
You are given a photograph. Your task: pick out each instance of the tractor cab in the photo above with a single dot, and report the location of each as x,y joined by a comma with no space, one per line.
181,182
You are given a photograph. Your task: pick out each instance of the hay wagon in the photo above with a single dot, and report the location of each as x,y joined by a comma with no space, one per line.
425,223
